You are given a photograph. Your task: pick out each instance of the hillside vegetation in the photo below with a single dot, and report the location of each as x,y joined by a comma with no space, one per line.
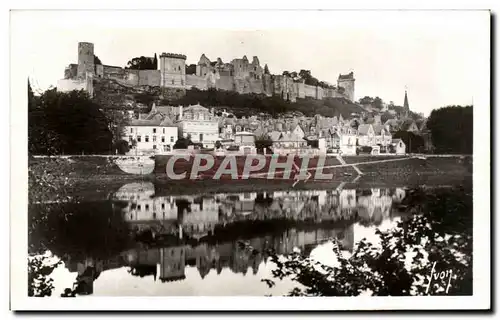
111,94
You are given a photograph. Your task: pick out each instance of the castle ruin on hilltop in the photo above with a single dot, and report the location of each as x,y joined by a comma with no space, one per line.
240,75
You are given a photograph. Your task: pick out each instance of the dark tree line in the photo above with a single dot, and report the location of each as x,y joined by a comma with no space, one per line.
308,78
70,123
414,143
143,63
248,104
451,129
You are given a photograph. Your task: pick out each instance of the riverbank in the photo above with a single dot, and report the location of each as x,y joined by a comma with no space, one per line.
100,177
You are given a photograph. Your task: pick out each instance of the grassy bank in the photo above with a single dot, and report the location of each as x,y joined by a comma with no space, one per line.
99,177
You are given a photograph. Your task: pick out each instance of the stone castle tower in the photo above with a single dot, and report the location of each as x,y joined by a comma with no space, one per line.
85,59
172,70
346,81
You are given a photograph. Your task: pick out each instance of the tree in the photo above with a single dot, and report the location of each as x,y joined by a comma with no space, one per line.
191,69
141,63
266,69
69,123
155,63
121,147
117,121
442,217
414,143
308,78
263,142
378,103
451,129
183,143
386,116
97,60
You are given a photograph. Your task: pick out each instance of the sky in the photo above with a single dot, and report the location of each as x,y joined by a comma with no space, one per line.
433,54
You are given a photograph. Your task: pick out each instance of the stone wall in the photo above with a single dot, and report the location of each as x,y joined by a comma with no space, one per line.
124,76
99,70
225,82
267,84
149,78
193,81
71,71
65,85
256,86
310,91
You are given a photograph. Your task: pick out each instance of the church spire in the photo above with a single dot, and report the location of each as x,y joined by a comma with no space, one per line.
406,106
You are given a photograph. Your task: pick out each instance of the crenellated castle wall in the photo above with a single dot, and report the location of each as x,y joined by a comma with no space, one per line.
240,75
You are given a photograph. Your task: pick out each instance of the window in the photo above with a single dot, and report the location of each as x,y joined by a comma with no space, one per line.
147,207
138,138
139,207
163,139
163,130
163,206
154,146
130,138
182,82
171,139
131,130
154,138
201,136
172,81
146,139
154,130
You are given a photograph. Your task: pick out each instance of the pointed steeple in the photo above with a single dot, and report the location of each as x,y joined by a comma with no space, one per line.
406,106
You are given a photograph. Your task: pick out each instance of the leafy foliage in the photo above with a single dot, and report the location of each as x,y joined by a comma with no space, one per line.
183,143
451,129
413,142
40,284
263,142
143,63
440,230
69,123
191,69
97,60
247,104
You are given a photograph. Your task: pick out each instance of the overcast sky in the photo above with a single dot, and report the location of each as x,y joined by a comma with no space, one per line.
434,54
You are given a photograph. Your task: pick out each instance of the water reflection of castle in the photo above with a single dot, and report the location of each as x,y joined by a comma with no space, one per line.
199,215
168,263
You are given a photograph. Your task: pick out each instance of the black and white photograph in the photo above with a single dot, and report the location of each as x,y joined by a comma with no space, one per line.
170,160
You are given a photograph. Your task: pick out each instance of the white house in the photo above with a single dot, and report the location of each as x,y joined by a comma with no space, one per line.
151,136
399,145
371,135
244,138
198,123
348,138
245,141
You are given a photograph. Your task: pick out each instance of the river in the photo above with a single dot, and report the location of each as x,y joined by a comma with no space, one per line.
138,241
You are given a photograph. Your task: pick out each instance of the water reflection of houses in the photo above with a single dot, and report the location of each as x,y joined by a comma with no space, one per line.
374,205
198,216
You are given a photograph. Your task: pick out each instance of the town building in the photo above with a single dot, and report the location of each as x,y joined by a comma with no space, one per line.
150,136
371,135
198,123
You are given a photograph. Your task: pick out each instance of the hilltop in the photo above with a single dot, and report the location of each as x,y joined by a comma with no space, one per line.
111,94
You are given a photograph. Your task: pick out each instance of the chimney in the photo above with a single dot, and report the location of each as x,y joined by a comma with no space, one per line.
180,112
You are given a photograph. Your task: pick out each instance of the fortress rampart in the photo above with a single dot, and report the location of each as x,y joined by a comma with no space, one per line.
240,75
